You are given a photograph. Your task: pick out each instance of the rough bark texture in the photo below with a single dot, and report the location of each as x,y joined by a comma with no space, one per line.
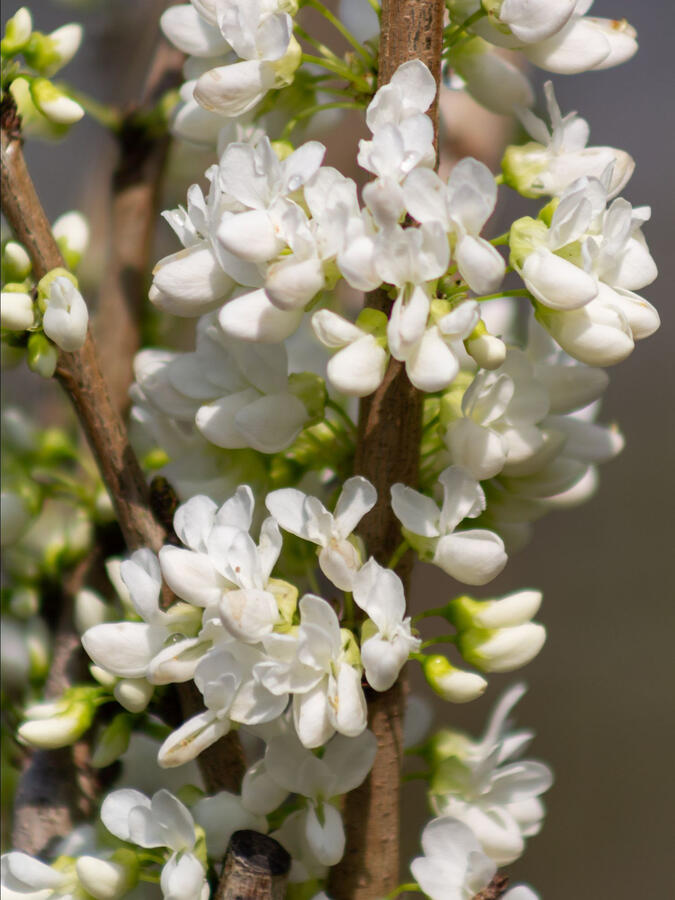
256,867
136,189
387,451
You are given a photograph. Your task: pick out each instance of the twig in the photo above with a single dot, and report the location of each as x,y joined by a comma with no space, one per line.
387,451
256,867
495,889
136,189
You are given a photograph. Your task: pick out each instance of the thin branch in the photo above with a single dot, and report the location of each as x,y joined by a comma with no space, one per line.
136,189
387,451
256,867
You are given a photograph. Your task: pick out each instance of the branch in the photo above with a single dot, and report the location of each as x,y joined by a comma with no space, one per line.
136,190
80,376
387,451
256,868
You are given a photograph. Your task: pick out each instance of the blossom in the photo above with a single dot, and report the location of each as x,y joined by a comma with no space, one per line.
462,207
16,310
65,317
453,866
474,556
307,517
357,369
343,766
320,667
485,785
160,821
386,640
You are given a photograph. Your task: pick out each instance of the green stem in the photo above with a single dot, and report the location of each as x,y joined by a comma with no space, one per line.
107,116
322,48
501,239
443,639
402,888
376,7
331,404
428,613
458,33
397,554
519,292
312,110
345,32
340,69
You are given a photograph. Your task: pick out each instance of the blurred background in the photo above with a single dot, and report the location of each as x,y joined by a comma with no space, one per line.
601,691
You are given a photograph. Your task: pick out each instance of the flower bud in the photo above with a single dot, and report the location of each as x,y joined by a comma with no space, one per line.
451,683
16,309
112,742
54,104
502,649
90,609
108,879
133,694
42,355
103,677
16,264
17,32
24,602
65,42
53,724
513,609
14,519
33,123
284,68
37,639
66,316
488,351
71,231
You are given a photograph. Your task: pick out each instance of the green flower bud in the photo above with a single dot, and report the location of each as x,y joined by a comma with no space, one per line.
42,355
45,283
451,683
16,264
17,32
113,741
54,104
24,602
72,235
286,595
521,166
59,723
33,123
38,645
108,879
525,235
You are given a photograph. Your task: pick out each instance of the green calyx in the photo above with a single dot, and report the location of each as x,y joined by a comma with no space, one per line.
521,166
526,234
45,284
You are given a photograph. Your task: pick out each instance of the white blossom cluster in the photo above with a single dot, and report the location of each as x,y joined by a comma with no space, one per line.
241,429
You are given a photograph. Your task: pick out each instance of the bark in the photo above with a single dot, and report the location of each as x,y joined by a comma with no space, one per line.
135,200
387,452
256,867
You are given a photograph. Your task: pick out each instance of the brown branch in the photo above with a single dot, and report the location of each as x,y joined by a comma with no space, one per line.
59,788
495,889
256,867
80,376
387,451
136,190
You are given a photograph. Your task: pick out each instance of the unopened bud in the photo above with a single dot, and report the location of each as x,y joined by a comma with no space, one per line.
72,235
133,694
16,309
513,609
106,879
59,723
17,32
502,649
37,639
42,355
113,741
16,264
54,104
451,683
90,609
14,519
488,351
24,602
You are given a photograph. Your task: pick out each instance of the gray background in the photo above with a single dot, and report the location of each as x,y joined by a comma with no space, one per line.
601,691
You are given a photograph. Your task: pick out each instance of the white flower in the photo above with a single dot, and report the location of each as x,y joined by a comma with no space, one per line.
462,207
495,82
22,876
344,765
559,157
501,410
162,821
319,666
453,866
307,517
479,783
388,642
220,816
402,135
357,369
66,317
475,556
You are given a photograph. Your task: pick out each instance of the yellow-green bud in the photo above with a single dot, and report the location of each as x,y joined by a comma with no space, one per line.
17,32
350,648
42,355
113,741
525,235
54,104
108,879
16,264
286,595
451,683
